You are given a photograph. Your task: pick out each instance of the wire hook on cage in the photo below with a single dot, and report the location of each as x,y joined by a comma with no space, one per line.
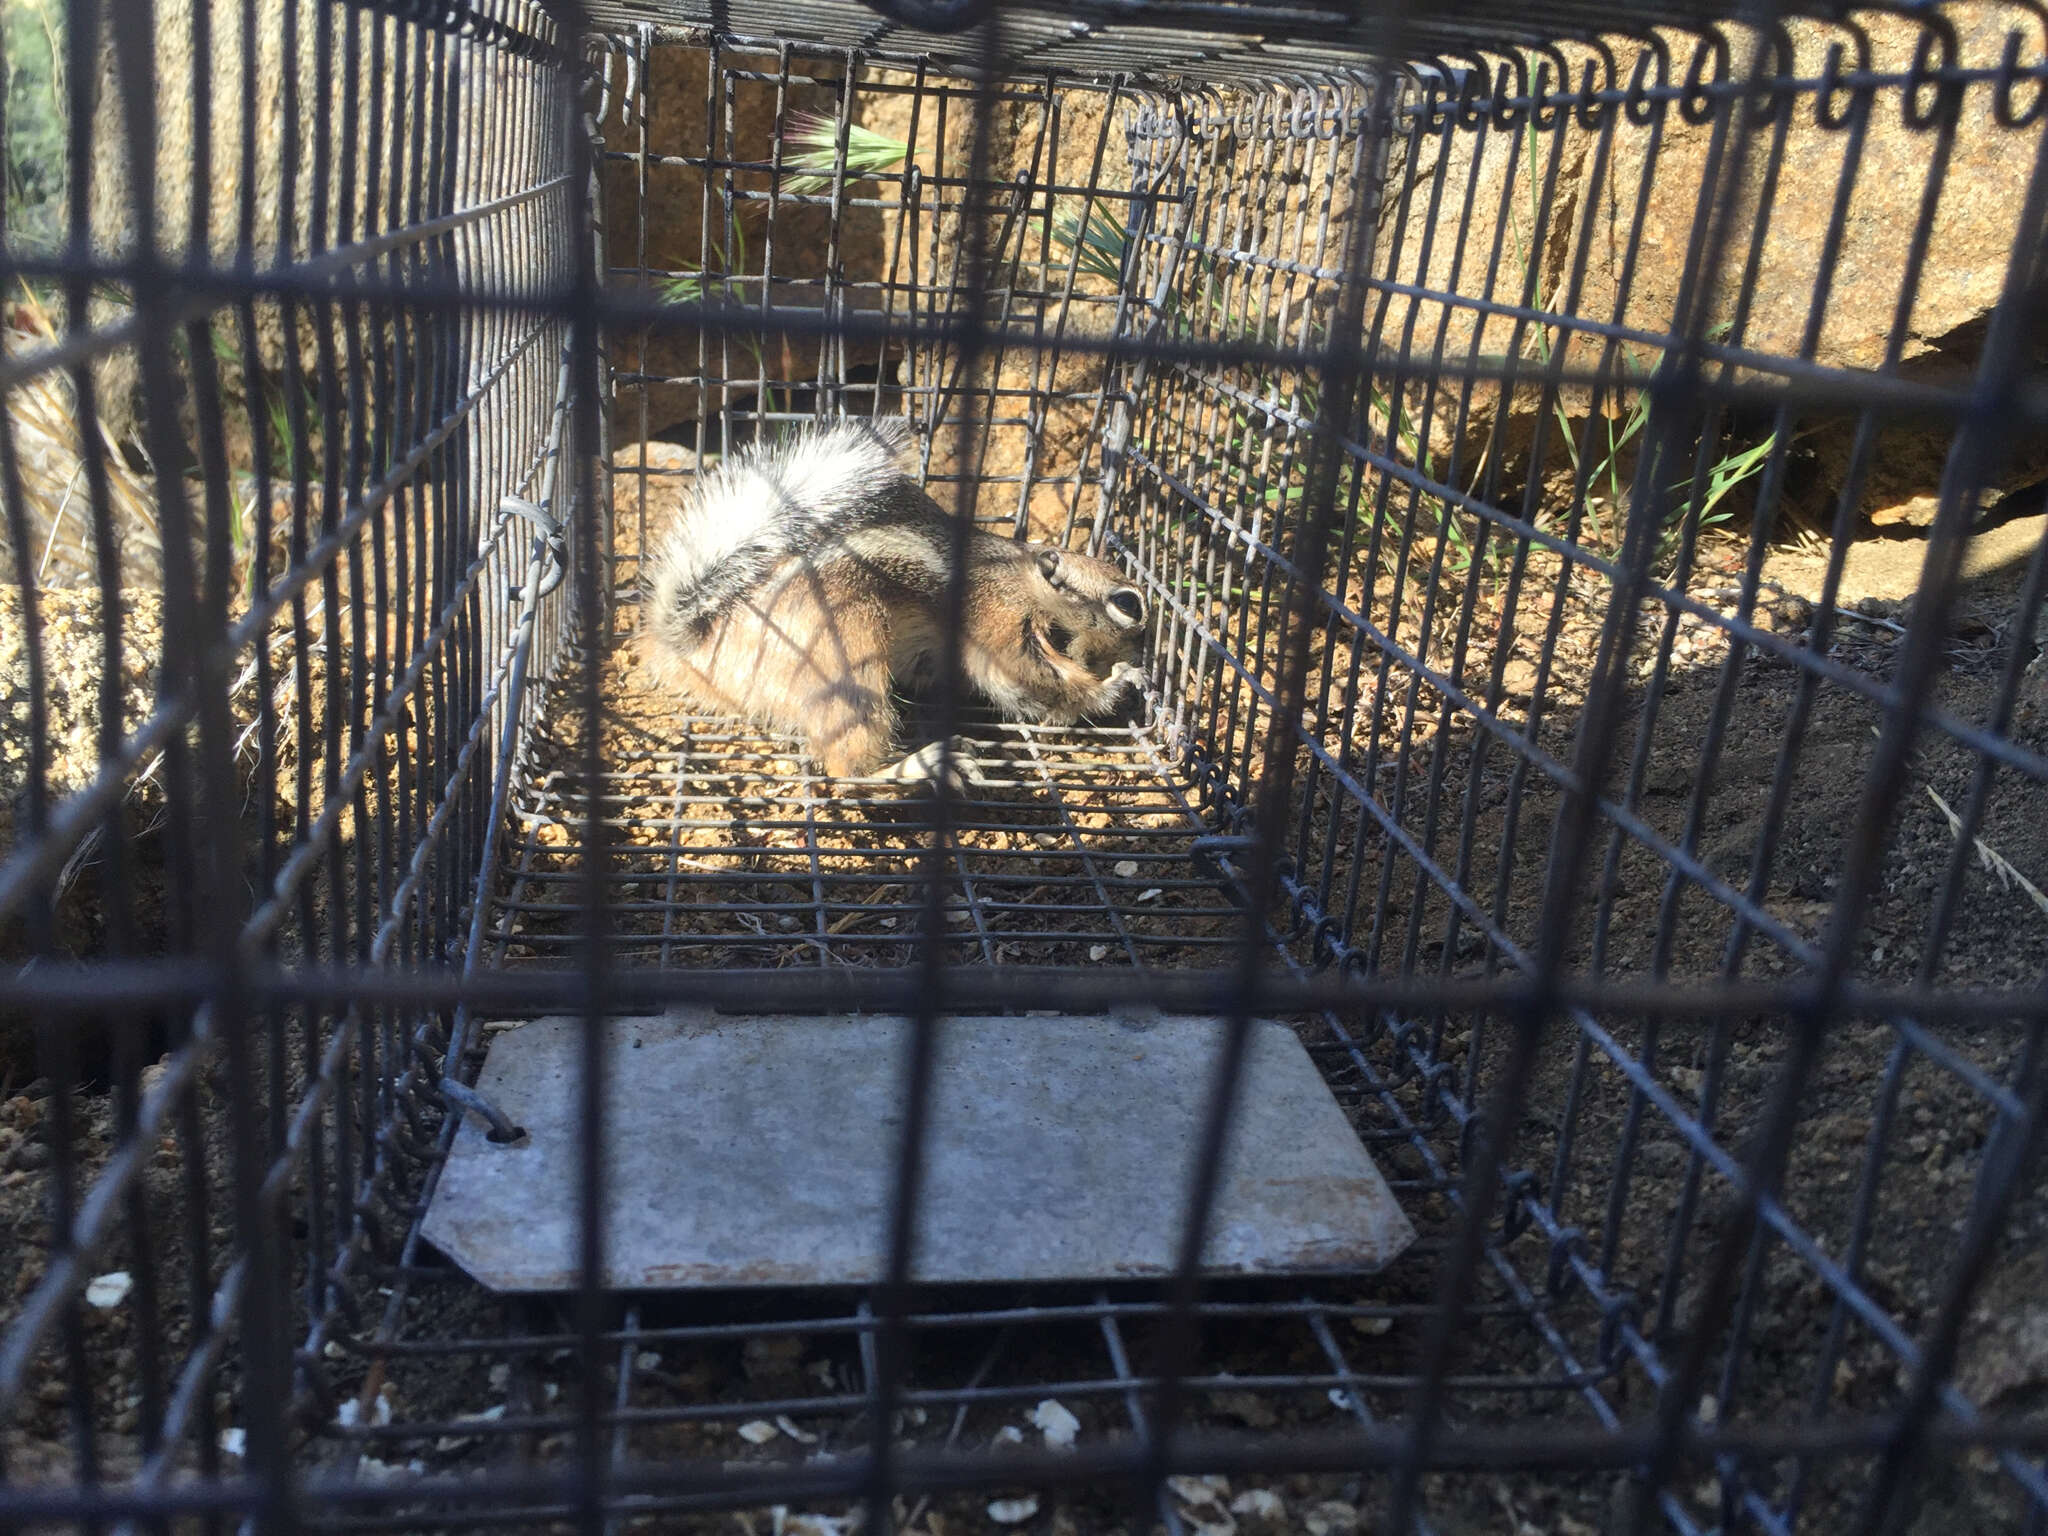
1559,1274
1331,111
1937,32
1592,109
2009,74
599,72
1502,110
1546,110
1639,105
1317,109
1770,92
1454,98
1519,1190
1405,1061
1301,914
1620,1313
1293,115
464,1099
1824,112
597,75
1354,964
1420,96
629,99
1217,112
1440,1098
1696,101
552,542
1466,112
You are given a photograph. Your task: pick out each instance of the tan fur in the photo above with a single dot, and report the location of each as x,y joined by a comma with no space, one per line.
812,651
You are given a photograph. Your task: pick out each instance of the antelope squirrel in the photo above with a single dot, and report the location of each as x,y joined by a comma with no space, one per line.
798,579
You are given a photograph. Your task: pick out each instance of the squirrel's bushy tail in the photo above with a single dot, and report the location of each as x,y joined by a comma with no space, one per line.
766,502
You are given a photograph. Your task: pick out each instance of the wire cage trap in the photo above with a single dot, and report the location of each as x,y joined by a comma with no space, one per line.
1582,468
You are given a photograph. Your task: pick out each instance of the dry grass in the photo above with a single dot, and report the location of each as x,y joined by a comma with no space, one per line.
51,448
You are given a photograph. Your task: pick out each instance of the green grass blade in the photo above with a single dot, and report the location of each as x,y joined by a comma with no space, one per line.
811,151
1101,241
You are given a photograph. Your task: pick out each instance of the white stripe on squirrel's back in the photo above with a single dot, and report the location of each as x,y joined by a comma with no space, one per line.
749,513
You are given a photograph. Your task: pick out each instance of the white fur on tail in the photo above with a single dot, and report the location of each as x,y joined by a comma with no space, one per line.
766,502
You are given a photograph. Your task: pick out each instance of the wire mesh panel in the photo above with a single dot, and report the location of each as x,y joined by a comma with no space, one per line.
1583,486
265,394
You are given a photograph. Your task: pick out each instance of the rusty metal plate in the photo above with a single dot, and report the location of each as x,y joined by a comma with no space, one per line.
757,1151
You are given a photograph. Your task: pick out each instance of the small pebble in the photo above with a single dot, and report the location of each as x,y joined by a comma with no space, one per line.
1013,1511
1258,1504
1208,1489
758,1431
1127,869
376,1471
1057,1424
109,1290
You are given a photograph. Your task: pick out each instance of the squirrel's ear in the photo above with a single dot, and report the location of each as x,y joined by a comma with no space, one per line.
1049,565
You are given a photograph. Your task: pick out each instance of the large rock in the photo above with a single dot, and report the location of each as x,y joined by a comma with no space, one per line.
1646,191
692,139
1970,239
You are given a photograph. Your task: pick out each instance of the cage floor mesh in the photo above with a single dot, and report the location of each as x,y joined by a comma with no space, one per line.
724,849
